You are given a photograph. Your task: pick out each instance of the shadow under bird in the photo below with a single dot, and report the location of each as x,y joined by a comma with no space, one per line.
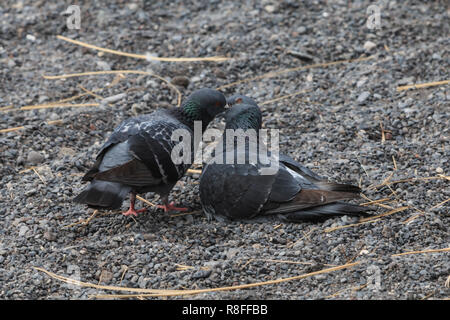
292,193
136,158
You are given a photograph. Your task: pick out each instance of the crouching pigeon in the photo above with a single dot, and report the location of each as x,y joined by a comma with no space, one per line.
136,158
242,190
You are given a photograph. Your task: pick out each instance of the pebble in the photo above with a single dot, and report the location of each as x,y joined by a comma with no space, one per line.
270,8
369,45
180,81
35,157
363,97
31,37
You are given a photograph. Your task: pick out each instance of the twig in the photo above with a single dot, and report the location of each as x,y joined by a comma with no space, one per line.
423,85
23,127
348,226
145,201
421,251
439,204
410,180
92,73
162,292
90,92
185,213
61,105
141,56
375,201
385,214
292,262
83,222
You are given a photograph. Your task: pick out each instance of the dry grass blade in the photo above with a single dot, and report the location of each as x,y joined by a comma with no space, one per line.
6,108
61,105
83,222
185,213
165,292
348,226
343,290
37,173
93,73
292,262
408,180
423,85
23,127
141,56
421,251
439,204
276,73
145,201
11,129
385,214
89,92
305,236
375,202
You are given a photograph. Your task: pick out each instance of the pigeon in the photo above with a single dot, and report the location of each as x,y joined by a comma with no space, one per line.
292,192
136,158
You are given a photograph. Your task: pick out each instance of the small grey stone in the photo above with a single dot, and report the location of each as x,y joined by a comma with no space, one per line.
301,30
30,192
23,230
436,56
201,274
180,81
363,97
50,236
103,65
369,45
232,252
35,157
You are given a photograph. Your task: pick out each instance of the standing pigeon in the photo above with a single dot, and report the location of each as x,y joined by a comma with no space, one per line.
136,158
293,192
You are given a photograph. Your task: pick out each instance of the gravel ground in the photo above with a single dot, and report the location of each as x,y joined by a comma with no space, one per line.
335,129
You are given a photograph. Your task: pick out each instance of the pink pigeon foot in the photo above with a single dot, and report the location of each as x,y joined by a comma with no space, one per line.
170,207
133,212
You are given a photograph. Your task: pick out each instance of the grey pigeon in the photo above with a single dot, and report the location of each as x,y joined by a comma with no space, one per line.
239,191
136,158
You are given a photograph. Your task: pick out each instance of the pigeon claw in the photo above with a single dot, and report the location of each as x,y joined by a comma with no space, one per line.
171,207
133,212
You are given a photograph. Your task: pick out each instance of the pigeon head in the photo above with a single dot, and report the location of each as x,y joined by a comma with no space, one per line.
240,99
243,116
204,104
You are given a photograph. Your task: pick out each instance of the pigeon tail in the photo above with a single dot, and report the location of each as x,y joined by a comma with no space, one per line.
103,194
327,211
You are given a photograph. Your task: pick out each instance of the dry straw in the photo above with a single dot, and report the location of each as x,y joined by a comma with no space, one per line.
141,56
93,73
423,85
162,292
140,293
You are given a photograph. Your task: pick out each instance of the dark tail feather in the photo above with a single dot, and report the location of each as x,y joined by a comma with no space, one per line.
324,212
104,194
331,186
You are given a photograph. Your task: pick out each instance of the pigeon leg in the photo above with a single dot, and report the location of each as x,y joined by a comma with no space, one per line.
133,211
170,206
